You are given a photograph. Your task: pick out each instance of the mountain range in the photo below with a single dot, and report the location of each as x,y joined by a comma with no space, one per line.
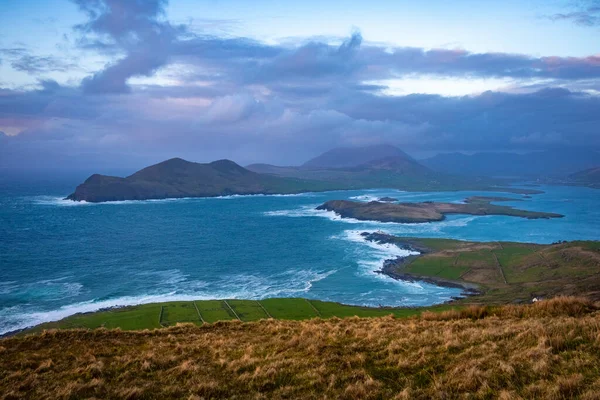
551,163
342,168
380,166
588,177
362,167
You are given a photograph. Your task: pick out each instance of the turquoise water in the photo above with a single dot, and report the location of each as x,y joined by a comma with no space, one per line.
58,257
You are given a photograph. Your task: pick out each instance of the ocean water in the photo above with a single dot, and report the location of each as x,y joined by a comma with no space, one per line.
58,257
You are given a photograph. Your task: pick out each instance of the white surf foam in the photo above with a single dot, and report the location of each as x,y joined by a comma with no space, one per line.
365,198
370,257
241,286
62,202
57,201
311,211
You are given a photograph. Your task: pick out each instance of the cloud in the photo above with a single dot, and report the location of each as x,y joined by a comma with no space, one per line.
133,27
171,92
252,128
587,13
22,59
233,108
143,42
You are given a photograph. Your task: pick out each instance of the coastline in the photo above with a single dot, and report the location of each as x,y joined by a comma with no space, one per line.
392,267
428,211
520,191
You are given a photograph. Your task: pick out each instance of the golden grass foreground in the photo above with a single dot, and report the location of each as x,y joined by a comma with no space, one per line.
547,350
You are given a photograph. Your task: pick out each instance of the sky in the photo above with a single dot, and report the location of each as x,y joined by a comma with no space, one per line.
112,83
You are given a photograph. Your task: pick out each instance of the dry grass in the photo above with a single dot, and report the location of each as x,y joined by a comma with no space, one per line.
549,350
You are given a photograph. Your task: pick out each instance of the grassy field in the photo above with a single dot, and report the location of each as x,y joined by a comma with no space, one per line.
149,316
547,350
506,272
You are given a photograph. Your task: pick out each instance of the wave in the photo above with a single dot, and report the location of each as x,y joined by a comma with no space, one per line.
389,249
370,257
311,211
57,201
62,202
48,289
365,197
237,196
242,286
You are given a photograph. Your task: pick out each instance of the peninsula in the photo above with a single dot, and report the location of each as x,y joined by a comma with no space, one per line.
497,272
427,211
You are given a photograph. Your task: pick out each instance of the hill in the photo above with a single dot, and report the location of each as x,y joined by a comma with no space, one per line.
346,157
374,167
176,178
554,163
347,160
588,177
545,350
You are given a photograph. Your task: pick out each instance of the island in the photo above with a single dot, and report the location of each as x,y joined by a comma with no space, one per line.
178,178
428,211
387,199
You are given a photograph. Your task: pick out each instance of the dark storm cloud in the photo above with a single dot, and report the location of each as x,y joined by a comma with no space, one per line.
546,118
249,128
220,97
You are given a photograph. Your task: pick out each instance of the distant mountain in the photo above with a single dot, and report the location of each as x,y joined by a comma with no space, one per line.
366,168
588,177
373,167
381,157
402,164
356,167
347,157
552,163
176,178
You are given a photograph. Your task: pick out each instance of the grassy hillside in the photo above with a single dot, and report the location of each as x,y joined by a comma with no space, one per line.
549,350
504,272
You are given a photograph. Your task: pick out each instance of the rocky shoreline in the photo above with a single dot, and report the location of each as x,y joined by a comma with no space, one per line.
393,267
428,211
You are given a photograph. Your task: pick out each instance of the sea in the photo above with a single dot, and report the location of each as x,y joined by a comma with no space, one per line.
59,257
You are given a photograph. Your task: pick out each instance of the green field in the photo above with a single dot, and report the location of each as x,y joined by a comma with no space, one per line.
442,267
149,316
